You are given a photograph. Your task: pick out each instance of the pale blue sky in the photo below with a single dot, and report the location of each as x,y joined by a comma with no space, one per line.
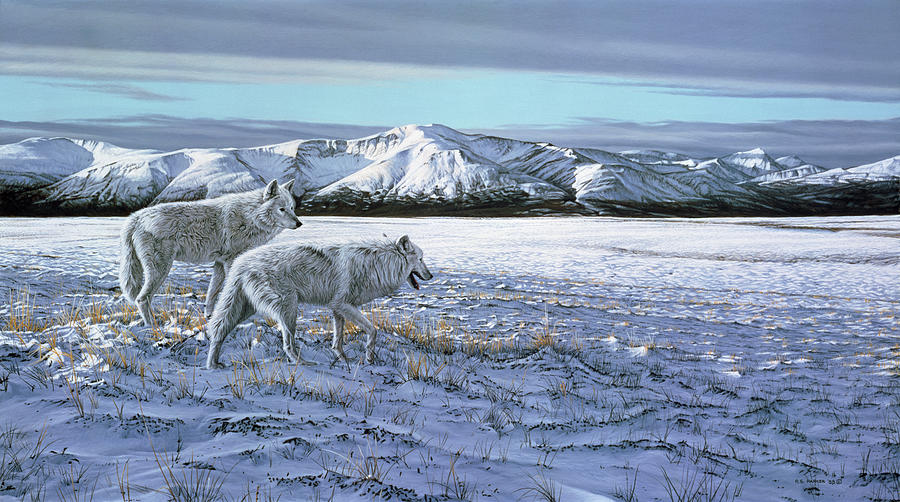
462,98
766,69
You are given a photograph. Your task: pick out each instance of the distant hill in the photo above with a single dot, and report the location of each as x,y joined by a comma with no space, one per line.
434,169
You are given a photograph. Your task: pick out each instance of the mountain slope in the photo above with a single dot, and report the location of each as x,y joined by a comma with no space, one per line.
38,162
434,169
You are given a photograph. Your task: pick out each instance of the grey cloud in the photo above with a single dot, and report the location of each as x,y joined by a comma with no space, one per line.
831,143
737,89
128,91
845,48
108,65
801,91
171,133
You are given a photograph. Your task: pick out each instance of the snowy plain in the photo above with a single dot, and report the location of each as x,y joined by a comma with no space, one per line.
599,358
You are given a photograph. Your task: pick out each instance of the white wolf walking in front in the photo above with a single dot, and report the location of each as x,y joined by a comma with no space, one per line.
273,279
214,230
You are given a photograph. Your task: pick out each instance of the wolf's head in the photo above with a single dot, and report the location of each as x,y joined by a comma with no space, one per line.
277,207
415,265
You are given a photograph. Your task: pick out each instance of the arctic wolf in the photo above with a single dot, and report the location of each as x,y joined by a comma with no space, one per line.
214,230
273,279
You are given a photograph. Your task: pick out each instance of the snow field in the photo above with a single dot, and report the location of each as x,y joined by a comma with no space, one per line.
586,358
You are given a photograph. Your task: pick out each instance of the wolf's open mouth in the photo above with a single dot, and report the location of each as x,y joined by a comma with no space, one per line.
412,279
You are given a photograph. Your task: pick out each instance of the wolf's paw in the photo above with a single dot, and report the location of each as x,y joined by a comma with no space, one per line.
214,365
139,329
339,356
296,358
303,362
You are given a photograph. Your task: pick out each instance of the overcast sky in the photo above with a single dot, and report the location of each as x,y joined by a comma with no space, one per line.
817,78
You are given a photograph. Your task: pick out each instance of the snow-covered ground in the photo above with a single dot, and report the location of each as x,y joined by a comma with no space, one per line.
603,358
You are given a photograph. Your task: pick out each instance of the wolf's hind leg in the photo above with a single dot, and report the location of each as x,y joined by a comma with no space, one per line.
288,325
156,263
234,309
284,312
337,341
352,314
219,272
280,307
337,337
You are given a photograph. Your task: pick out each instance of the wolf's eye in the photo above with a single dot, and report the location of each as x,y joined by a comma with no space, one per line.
281,209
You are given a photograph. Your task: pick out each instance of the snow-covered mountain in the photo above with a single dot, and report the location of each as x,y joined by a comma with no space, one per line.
38,162
434,169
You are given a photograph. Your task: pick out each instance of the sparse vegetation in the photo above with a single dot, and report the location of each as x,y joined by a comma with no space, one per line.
542,489
726,390
21,317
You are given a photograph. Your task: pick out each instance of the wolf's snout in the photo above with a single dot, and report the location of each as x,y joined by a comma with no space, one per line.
298,223
424,275
411,278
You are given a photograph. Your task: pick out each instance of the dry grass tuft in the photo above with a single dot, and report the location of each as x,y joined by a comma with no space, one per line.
21,313
96,312
419,368
546,337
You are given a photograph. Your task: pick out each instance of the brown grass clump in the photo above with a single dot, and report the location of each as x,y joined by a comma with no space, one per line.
21,313
420,368
546,337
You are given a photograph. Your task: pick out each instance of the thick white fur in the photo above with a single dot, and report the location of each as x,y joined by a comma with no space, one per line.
273,279
213,230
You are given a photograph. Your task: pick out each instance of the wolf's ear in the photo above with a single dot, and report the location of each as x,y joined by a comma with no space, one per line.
405,244
289,186
271,190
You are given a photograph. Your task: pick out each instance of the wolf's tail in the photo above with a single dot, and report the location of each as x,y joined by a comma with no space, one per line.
131,272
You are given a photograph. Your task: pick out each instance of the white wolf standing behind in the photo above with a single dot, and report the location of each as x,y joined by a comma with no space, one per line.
213,230
273,279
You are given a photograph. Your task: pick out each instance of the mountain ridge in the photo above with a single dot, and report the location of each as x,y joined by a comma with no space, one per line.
434,169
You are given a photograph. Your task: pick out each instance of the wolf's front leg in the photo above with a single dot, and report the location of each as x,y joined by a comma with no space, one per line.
219,271
352,314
